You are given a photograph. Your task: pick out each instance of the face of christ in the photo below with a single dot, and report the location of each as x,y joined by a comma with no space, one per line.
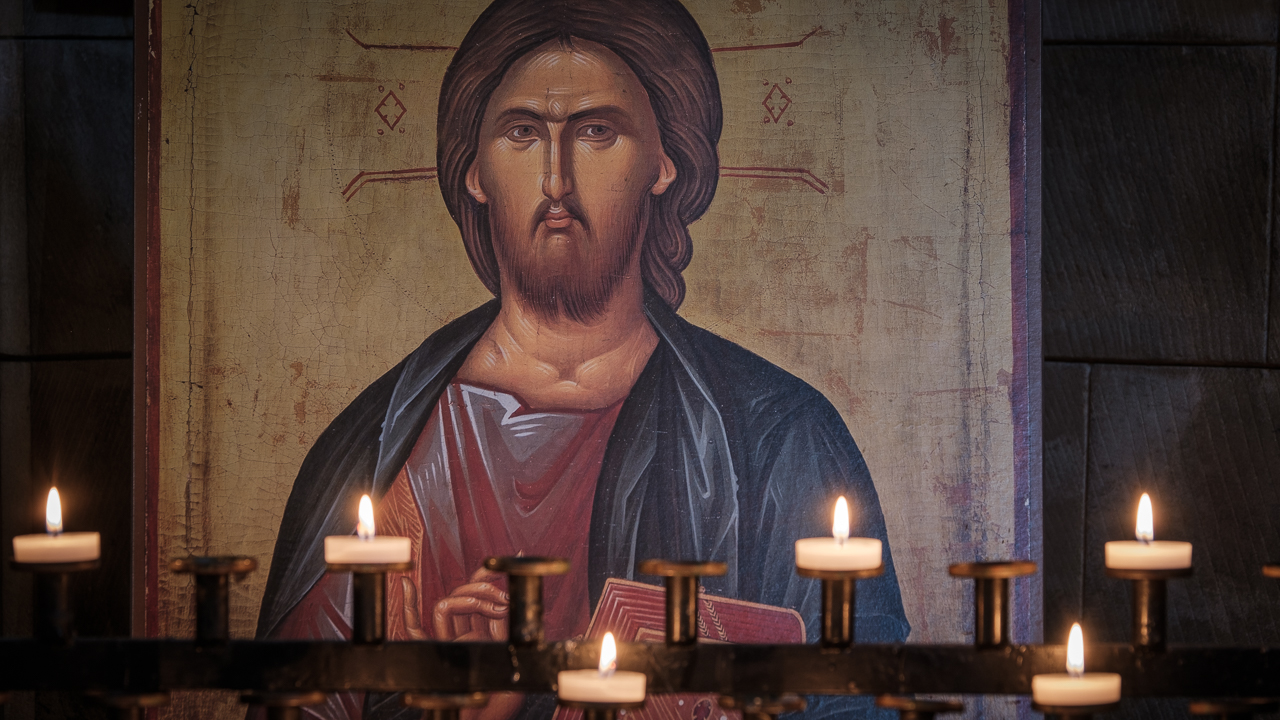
569,154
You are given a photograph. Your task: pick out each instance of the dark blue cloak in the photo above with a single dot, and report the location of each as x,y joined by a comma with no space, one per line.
716,454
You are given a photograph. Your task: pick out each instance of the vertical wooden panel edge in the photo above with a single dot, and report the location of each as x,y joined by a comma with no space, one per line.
1024,195
146,54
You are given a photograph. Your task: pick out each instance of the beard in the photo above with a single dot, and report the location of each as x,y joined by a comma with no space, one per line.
567,273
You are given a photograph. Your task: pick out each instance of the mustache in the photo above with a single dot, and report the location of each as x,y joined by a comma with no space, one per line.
568,204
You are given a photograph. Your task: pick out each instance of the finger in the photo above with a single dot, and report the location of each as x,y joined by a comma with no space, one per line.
442,621
408,590
461,626
485,575
497,630
412,613
466,605
484,591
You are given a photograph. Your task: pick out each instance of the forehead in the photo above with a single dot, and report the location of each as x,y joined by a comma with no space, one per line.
557,80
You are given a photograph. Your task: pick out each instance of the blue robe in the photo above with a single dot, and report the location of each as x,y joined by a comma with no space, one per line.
716,454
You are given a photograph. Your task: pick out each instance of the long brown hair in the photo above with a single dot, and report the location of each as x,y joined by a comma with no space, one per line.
662,44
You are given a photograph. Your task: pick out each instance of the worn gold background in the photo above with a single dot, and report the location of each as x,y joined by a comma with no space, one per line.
891,293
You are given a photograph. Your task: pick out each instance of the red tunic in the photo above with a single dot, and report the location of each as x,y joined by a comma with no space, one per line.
490,477
487,476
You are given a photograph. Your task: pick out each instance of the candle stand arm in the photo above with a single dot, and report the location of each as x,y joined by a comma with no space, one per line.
681,579
137,666
1150,593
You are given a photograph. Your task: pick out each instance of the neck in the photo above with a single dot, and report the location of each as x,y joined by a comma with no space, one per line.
565,344
554,362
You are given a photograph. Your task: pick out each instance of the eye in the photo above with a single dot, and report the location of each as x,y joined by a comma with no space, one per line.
522,132
596,132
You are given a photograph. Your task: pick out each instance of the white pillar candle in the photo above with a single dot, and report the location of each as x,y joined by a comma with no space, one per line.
365,547
1062,689
1146,553
604,685
55,546
839,552
1075,687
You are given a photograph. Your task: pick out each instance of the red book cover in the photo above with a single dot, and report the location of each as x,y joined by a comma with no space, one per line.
635,612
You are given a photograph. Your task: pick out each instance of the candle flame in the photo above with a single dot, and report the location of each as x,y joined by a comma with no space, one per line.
1075,651
365,528
840,526
53,513
608,655
1146,526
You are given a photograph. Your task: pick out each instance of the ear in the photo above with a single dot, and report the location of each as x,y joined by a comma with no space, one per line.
473,184
666,176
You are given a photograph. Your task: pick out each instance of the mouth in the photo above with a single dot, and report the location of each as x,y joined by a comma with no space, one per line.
557,217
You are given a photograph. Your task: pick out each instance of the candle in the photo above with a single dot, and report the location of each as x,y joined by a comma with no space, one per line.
604,685
1146,553
366,548
1075,687
56,546
839,552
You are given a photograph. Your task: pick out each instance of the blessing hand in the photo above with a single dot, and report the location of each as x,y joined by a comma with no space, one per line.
474,612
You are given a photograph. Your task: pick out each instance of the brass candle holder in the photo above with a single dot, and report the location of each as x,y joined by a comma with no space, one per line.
283,705
915,709
1237,709
682,594
213,591
763,708
444,707
1073,712
133,706
369,598
599,711
839,602
991,616
524,588
1150,604
53,619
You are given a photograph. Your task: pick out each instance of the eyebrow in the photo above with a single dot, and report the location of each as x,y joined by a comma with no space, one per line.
604,111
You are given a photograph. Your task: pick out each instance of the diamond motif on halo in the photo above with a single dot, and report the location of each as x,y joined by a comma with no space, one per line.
776,102
391,110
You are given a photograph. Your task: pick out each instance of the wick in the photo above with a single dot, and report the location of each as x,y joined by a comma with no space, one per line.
1145,541
1073,672
840,541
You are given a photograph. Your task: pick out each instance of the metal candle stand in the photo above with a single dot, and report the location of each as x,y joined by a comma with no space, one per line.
682,594
1233,709
443,678
283,705
839,602
368,599
763,708
1072,712
53,619
1150,600
133,706
213,591
524,588
444,707
991,597
600,711
914,709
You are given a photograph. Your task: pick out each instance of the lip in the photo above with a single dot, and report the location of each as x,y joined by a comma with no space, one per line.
558,219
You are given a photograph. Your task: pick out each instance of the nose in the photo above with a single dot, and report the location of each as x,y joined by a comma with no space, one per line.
557,175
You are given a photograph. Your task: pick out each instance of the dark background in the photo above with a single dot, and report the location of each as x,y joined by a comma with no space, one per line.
1161,309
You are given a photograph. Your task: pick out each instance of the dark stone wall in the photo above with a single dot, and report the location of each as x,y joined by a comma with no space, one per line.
1161,322
66,283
